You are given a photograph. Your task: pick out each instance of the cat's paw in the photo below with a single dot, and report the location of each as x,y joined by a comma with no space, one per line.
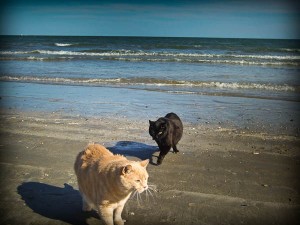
159,161
119,222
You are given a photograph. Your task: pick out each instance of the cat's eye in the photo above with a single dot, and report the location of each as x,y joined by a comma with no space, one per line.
138,181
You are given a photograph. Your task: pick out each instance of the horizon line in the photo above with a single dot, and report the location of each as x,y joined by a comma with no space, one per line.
141,36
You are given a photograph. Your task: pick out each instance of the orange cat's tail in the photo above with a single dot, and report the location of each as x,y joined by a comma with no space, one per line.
91,154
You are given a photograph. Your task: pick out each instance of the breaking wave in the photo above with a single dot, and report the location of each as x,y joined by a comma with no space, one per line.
161,56
138,81
62,44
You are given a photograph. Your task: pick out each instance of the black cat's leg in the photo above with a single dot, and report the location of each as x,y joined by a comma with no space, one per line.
160,158
175,149
162,154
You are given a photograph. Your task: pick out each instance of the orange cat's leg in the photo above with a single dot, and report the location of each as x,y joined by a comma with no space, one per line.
106,214
86,207
117,217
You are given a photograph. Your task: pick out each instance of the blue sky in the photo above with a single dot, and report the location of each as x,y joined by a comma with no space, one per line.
167,18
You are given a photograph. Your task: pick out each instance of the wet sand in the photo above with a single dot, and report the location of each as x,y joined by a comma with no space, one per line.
220,176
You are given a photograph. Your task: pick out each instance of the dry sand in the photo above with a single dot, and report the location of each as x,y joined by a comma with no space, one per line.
220,176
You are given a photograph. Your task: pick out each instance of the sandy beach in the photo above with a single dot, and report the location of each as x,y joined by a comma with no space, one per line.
220,176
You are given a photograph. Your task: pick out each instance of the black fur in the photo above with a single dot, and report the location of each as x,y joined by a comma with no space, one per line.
167,132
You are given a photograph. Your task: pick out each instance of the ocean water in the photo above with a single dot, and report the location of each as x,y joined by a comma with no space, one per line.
241,83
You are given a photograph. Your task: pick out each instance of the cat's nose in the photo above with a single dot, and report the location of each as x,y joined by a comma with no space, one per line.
146,187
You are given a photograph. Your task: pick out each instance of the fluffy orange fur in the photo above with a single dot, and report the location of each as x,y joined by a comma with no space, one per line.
106,181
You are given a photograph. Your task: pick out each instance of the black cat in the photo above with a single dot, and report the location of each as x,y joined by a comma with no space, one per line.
167,132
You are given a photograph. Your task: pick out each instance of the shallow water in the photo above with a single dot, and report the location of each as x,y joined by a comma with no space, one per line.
262,115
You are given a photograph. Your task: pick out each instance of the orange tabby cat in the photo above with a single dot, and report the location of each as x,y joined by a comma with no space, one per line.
106,181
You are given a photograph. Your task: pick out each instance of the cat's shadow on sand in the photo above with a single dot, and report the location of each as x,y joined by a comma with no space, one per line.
56,203
135,149
64,203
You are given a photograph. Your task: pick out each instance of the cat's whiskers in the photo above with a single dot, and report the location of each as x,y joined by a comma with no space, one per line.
147,195
150,194
140,196
152,187
136,195
148,191
139,199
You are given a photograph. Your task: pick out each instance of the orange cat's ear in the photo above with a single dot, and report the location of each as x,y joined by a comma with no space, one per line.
144,163
126,169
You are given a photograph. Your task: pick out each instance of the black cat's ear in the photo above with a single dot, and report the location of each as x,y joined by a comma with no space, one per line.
126,169
150,122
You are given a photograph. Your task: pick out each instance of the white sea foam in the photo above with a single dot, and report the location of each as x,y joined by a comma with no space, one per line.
290,49
152,82
143,53
129,55
235,85
62,44
33,58
13,52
